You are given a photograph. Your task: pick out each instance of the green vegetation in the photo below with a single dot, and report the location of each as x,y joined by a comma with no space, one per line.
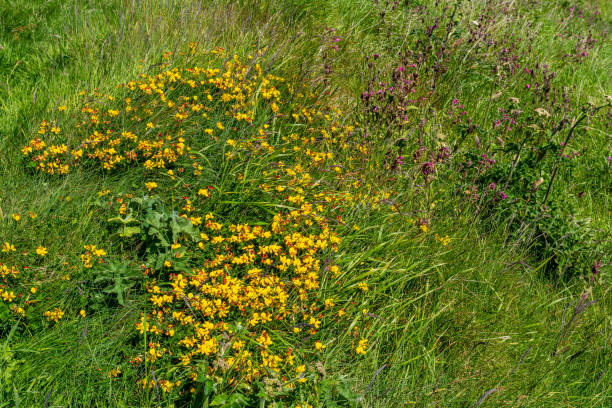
305,203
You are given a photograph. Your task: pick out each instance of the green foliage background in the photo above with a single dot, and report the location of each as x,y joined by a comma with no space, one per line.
495,309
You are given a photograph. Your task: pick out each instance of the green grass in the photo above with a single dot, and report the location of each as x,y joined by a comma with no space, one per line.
446,324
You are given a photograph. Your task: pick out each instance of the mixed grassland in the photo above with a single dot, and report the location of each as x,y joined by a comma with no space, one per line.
319,203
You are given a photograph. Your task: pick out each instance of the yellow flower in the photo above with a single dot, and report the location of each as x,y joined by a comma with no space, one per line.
361,348
167,264
8,296
83,313
7,247
16,217
55,314
41,250
363,286
151,185
445,240
61,108
220,125
300,371
204,192
115,371
319,345
33,290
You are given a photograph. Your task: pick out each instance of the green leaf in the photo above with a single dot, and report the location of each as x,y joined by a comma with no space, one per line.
155,220
181,226
219,399
4,312
120,287
130,231
127,220
208,387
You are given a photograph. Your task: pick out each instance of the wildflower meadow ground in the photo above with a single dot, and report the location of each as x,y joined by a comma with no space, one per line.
305,203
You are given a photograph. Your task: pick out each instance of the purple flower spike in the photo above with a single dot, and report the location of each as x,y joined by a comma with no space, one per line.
427,168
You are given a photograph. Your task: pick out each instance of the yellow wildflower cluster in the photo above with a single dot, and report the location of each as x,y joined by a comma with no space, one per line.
361,348
151,185
115,372
7,296
41,250
54,315
124,131
93,253
8,247
252,308
444,241
250,303
6,271
234,309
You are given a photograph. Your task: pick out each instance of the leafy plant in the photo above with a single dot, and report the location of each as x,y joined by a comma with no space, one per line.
114,280
155,230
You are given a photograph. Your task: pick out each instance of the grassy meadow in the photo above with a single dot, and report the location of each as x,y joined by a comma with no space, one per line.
305,203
